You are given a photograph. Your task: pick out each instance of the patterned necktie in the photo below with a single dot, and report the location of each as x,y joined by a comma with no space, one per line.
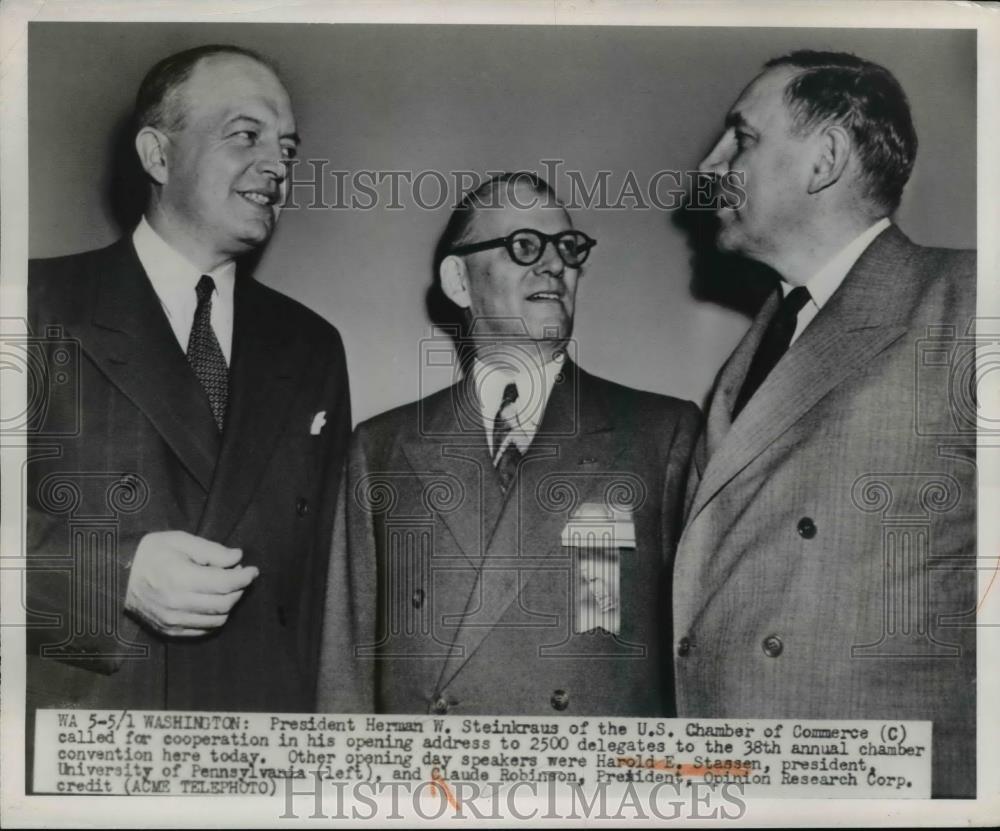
205,355
777,338
505,457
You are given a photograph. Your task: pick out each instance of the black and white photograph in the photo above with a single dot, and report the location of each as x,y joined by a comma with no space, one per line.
484,398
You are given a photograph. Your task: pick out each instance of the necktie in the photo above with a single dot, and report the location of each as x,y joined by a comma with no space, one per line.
505,457
205,355
774,344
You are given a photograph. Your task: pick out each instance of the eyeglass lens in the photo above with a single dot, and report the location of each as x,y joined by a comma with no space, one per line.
527,246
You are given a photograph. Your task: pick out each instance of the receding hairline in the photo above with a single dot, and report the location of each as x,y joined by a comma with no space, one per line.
222,56
173,106
503,190
203,63
768,74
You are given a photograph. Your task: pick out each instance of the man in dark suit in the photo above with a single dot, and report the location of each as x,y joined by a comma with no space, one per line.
827,566
182,481
504,545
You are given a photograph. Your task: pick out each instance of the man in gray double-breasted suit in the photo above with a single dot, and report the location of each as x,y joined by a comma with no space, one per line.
504,546
826,569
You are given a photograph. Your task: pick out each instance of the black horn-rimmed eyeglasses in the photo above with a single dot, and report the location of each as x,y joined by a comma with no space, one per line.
526,246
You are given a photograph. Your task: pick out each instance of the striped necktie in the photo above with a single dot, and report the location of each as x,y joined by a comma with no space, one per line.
506,453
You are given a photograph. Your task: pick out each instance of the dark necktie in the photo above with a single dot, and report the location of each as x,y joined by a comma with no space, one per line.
205,355
774,344
505,459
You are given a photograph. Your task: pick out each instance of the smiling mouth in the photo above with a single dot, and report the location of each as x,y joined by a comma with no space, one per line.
545,297
262,199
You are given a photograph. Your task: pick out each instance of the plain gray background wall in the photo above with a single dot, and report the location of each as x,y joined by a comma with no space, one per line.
453,98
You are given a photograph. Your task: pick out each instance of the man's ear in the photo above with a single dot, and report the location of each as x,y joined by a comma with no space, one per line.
151,145
455,281
834,150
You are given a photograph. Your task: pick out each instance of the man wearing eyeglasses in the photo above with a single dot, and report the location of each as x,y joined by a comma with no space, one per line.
503,546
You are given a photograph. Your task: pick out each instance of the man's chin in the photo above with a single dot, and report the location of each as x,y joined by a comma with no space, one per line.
550,328
551,342
255,235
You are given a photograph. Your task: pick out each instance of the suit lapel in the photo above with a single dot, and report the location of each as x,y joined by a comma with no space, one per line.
719,419
450,441
268,360
861,320
576,427
129,338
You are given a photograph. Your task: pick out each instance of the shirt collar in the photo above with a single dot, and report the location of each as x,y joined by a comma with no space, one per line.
827,280
534,385
173,276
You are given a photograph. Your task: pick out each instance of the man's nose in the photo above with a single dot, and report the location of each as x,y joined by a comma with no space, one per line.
271,161
551,261
274,166
718,158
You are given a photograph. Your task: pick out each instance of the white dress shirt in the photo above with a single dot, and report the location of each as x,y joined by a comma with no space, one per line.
174,280
534,385
827,280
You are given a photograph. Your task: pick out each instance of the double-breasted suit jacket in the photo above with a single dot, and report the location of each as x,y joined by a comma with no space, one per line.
827,566
125,444
447,595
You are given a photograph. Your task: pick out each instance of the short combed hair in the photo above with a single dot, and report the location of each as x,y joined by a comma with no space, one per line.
157,103
484,197
867,100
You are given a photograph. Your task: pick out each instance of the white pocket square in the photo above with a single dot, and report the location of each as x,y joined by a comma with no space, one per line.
318,423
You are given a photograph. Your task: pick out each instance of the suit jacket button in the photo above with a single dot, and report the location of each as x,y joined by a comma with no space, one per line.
418,598
806,528
772,646
302,507
440,706
559,700
684,647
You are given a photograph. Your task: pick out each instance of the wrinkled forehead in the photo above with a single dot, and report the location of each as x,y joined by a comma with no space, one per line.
520,207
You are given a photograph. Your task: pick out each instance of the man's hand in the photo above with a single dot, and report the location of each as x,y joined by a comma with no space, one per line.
184,586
